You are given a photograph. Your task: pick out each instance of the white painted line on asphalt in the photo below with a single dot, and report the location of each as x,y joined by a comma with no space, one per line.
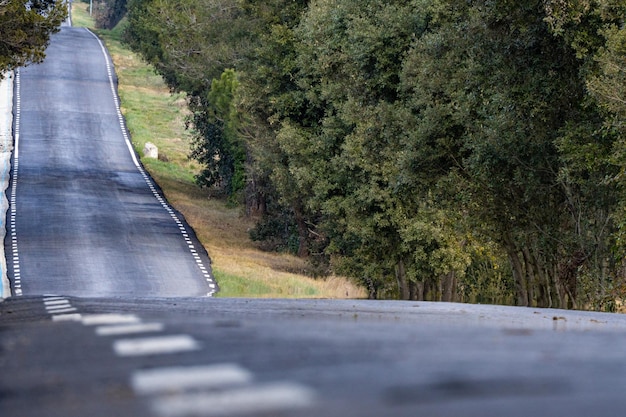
59,306
52,303
129,144
179,379
67,317
101,319
17,275
124,329
64,310
253,400
155,345
56,306
53,298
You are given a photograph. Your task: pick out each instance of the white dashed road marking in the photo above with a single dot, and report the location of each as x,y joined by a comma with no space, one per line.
124,329
177,379
155,345
67,317
60,308
251,400
186,391
101,319
56,301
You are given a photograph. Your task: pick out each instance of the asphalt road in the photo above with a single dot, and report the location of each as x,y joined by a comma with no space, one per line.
131,333
85,219
67,357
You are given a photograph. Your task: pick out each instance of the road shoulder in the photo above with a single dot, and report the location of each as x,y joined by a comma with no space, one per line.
6,148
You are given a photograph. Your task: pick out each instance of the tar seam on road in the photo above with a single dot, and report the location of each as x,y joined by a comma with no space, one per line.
205,272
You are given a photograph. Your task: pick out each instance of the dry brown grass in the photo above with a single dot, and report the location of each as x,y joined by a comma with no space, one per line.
242,269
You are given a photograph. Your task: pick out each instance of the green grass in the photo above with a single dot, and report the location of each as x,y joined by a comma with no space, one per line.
235,286
154,114
80,14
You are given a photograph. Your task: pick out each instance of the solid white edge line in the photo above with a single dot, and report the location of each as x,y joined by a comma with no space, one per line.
109,64
129,145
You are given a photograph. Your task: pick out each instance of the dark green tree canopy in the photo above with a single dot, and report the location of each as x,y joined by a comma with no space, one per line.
25,29
432,149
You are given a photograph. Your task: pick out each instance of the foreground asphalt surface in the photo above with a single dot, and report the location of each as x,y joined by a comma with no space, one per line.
85,219
64,356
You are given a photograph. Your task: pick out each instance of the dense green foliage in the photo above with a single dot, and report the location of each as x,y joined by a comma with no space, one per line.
107,13
432,149
25,29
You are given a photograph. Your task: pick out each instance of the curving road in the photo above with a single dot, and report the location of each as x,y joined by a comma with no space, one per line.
85,219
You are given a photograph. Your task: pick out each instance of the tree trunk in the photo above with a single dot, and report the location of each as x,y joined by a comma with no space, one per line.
413,290
448,288
531,276
303,233
546,288
560,293
419,293
403,285
568,276
519,275
255,199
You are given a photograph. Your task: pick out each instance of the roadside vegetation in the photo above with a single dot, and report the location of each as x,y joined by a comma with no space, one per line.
431,149
156,115
25,31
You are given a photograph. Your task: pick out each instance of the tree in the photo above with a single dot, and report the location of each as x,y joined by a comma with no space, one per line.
198,46
596,156
220,148
499,88
26,27
347,161
419,145
108,13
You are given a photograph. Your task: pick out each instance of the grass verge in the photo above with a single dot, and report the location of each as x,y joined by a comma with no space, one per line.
154,114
